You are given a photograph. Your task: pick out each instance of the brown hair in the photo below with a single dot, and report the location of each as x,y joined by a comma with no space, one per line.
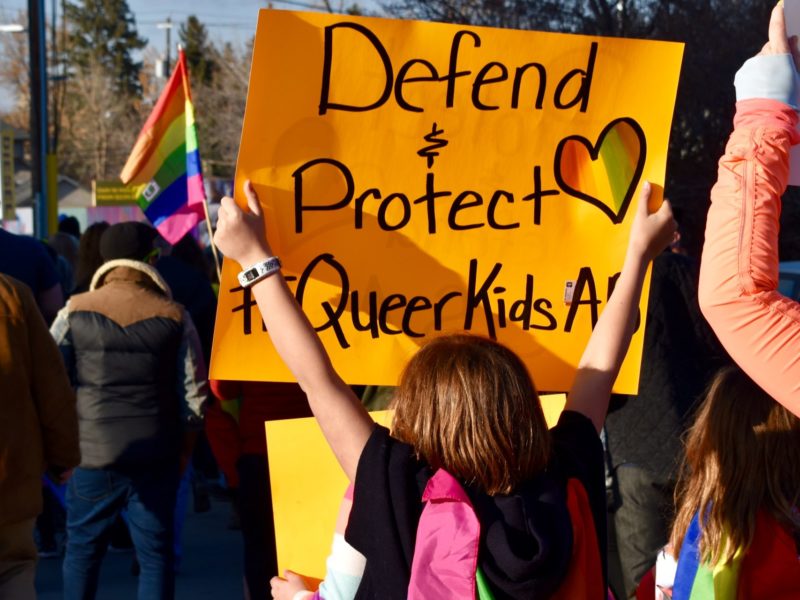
742,456
89,259
467,404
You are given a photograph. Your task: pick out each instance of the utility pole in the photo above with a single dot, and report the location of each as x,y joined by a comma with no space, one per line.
39,131
168,29
57,78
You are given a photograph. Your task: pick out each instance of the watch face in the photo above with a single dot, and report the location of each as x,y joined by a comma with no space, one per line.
250,275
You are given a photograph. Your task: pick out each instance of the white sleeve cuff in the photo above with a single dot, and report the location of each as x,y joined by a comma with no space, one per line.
770,76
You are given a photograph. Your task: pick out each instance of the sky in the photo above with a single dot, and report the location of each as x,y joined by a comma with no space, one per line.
229,21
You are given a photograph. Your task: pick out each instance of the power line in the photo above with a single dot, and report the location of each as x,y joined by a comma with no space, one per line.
200,14
302,4
239,11
151,13
230,24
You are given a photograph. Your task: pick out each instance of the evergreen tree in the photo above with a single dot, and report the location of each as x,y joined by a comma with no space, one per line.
103,32
353,9
200,53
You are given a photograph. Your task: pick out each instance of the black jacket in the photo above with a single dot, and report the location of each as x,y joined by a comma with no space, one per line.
134,358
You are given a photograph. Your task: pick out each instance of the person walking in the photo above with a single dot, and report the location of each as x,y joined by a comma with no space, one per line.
135,359
38,431
25,259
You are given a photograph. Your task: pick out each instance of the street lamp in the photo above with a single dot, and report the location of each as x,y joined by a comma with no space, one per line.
167,26
12,28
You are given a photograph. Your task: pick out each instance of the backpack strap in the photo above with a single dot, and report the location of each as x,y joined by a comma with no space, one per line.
446,550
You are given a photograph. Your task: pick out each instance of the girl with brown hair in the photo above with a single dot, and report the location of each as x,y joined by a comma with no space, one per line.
471,495
737,525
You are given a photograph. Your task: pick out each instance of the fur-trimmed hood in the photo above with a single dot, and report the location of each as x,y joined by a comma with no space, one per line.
99,278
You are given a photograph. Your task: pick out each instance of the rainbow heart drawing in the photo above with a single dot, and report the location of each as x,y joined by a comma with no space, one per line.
604,174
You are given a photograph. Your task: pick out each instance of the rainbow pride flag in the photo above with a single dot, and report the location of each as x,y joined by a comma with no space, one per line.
768,569
698,580
164,164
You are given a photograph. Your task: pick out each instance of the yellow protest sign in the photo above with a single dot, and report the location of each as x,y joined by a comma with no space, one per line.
420,178
307,488
308,485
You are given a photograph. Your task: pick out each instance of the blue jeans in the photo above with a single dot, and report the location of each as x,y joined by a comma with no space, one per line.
181,506
94,499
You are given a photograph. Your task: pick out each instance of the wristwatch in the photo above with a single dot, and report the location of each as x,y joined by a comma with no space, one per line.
259,271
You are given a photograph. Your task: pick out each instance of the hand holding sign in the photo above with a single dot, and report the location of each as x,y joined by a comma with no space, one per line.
240,235
772,73
651,232
288,586
779,41
784,26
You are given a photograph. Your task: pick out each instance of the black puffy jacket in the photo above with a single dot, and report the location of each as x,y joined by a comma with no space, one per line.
135,361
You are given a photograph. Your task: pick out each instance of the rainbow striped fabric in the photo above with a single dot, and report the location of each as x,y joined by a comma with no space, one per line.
604,174
697,580
164,164
769,568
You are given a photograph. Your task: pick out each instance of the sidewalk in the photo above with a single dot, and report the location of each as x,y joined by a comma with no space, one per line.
211,569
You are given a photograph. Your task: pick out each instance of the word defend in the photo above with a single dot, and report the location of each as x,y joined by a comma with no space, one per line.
534,71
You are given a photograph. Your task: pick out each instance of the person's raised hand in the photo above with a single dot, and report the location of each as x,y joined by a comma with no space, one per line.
240,233
778,42
286,588
651,232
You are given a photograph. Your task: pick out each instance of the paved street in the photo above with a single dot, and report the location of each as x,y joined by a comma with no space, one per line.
211,569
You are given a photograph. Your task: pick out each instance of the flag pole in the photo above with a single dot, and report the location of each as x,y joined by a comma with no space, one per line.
211,241
207,214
